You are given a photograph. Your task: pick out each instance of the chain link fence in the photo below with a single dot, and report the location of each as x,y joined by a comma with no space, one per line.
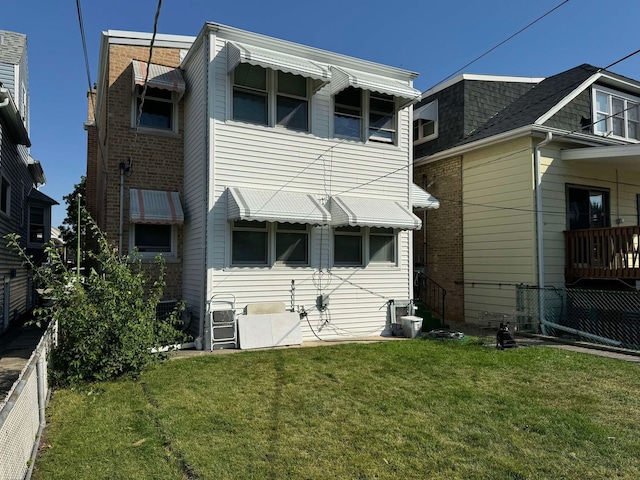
22,412
607,317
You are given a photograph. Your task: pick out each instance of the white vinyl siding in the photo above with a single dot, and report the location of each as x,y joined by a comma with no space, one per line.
499,229
195,191
256,156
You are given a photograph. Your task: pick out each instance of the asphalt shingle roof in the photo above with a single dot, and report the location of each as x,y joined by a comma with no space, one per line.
533,104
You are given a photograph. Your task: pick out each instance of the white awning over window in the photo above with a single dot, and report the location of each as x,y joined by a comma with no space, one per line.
426,112
342,78
274,206
422,199
155,207
240,53
369,212
160,76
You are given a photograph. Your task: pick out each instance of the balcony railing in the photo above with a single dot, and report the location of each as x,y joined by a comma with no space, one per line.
611,252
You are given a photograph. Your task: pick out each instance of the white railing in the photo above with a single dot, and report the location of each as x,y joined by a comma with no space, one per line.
22,415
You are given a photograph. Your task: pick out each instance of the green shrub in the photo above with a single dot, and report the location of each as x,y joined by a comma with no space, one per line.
107,324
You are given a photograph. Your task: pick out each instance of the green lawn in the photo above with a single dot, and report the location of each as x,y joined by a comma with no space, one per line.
405,409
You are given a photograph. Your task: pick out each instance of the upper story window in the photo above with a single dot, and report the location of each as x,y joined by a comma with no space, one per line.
159,109
425,122
5,196
270,97
357,111
37,223
616,114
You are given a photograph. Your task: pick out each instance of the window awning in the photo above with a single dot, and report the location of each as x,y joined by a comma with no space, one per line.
369,212
422,199
342,78
240,53
155,207
275,206
36,195
160,76
426,112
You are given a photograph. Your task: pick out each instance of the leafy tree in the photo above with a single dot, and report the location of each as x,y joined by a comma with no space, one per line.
107,325
69,227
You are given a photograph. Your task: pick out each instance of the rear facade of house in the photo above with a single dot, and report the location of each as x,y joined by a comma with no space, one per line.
23,209
291,169
544,188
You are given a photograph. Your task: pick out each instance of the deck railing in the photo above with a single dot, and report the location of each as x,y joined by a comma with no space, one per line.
610,252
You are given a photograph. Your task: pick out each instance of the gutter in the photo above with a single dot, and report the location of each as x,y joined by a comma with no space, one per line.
540,225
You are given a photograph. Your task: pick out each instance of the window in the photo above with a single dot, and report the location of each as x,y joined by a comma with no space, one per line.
348,246
425,122
616,114
36,224
353,105
382,245
5,196
292,243
266,243
254,101
249,242
152,239
348,113
352,245
159,109
382,123
587,207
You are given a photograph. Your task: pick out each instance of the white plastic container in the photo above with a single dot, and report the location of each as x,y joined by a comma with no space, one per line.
411,326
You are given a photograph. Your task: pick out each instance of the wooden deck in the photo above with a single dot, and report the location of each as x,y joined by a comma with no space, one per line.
603,253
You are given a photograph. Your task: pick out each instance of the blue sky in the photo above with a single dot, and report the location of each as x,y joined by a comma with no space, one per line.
432,38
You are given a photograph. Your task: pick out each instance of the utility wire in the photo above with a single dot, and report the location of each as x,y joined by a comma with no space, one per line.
502,42
146,76
91,95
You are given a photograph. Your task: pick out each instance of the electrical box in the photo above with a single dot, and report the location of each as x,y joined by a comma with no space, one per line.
322,302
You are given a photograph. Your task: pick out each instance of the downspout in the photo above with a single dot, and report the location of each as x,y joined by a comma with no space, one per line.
425,268
540,227
120,221
5,102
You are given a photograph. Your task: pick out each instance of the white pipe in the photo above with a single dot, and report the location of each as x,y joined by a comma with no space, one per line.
5,102
580,333
121,209
540,225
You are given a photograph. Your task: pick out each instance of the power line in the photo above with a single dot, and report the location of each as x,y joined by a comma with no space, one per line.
90,89
503,42
146,76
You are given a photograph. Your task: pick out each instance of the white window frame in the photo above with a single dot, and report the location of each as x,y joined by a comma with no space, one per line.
418,125
365,234
5,192
137,93
270,230
608,129
46,225
271,92
365,119
172,254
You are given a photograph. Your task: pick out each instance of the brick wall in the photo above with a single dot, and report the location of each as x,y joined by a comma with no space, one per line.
156,158
443,229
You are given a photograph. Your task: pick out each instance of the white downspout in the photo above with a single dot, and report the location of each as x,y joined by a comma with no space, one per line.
540,226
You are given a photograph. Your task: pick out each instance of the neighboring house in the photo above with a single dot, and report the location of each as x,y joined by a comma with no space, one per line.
538,182
270,175
23,208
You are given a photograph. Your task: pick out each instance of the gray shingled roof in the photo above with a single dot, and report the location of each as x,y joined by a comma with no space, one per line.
533,104
13,46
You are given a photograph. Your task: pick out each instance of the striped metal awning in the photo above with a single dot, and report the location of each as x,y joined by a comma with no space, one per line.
422,199
155,207
275,206
160,76
342,78
238,53
371,212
